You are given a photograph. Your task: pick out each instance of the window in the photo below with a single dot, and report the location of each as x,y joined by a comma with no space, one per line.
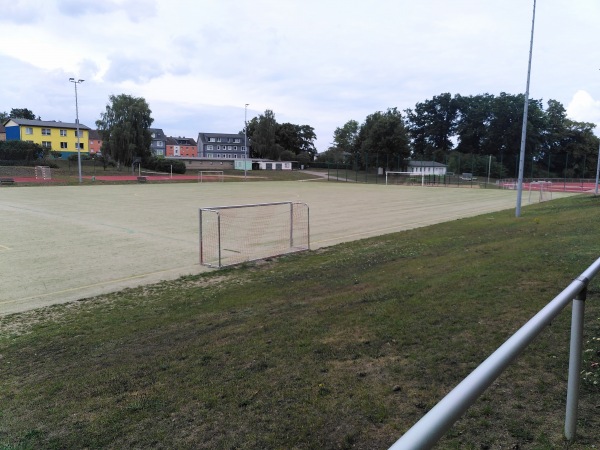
46,144
212,140
237,141
243,148
218,139
28,130
46,131
229,147
235,147
63,145
63,132
80,133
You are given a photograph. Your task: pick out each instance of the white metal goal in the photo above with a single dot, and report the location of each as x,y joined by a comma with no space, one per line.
235,234
210,175
540,191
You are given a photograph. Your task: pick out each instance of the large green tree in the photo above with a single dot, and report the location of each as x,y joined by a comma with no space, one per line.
344,138
431,125
262,131
298,139
383,139
22,113
472,123
124,128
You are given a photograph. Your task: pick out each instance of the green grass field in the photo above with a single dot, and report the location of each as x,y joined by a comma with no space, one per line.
343,347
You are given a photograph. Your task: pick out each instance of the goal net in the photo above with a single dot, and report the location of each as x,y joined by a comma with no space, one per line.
210,175
235,234
405,178
540,191
43,173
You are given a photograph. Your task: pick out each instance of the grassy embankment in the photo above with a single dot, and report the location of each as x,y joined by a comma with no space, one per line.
345,347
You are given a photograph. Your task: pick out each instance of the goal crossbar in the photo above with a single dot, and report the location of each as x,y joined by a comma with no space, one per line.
240,233
205,175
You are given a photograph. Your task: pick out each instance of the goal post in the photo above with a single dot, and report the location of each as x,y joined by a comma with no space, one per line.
235,234
540,191
43,173
404,178
210,175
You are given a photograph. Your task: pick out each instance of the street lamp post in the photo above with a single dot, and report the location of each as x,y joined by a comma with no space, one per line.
524,126
245,139
76,82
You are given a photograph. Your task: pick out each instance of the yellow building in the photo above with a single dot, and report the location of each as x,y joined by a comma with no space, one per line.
56,136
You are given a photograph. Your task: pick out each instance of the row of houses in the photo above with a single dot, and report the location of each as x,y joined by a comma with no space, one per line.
62,137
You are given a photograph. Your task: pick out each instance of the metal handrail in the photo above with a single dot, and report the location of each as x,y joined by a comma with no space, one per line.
427,431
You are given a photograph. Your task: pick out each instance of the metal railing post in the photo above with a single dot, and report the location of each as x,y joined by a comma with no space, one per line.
292,225
219,236
200,238
575,354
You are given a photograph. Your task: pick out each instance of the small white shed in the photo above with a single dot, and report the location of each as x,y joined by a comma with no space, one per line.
427,167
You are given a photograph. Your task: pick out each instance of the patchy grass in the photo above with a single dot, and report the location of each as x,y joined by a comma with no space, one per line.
344,347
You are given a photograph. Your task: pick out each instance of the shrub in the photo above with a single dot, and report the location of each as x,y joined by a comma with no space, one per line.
287,155
21,151
164,165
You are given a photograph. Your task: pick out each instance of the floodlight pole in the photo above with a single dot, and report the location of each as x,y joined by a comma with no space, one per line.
597,171
76,82
524,127
245,139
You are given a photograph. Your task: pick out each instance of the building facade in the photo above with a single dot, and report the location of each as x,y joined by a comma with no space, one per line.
181,147
427,167
95,143
159,141
221,146
56,136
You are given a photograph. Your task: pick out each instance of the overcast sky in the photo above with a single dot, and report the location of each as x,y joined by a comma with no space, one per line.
314,62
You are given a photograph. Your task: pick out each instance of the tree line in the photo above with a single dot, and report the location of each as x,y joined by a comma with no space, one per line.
464,131
468,133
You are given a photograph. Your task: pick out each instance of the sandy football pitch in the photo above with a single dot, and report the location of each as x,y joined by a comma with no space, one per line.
64,243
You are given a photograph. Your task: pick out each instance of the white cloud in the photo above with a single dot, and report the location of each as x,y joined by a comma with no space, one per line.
583,108
312,62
